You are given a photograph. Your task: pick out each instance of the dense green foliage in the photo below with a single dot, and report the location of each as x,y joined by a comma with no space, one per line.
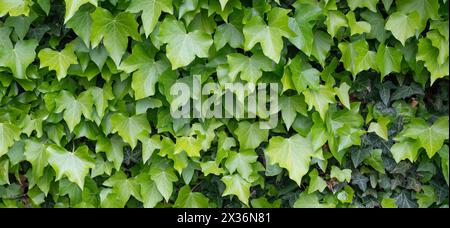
85,103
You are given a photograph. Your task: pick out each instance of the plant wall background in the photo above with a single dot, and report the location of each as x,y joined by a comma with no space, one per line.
85,103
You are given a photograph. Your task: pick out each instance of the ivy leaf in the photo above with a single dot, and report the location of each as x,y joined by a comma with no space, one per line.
375,160
36,154
242,162
403,26
370,4
228,34
388,60
15,7
270,35
123,186
75,166
188,199
356,56
380,128
302,25
57,61
430,137
81,23
113,149
293,154
149,145
290,106
8,134
335,20
183,47
250,135
211,167
163,176
73,108
249,68
18,58
427,53
427,9
316,183
357,27
319,99
146,77
306,200
236,185
151,11
72,6
443,153
130,127
342,93
341,175
114,31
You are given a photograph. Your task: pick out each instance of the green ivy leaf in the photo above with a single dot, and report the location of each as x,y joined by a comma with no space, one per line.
151,11
188,199
293,154
75,166
403,26
249,69
8,134
114,31
250,135
57,61
270,35
18,58
236,185
130,127
183,47
72,6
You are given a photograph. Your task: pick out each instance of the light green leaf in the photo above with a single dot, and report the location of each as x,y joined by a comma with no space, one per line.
163,175
36,154
335,20
250,136
188,199
370,4
236,185
270,35
249,68
114,31
342,93
72,6
15,7
306,200
8,134
57,61
405,150
356,56
293,154
430,137
145,79
130,127
388,60
242,162
341,175
228,34
357,27
403,26
151,11
183,47
18,58
319,99
316,183
427,53
75,166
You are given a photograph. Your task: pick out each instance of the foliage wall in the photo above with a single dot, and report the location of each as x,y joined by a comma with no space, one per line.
85,103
